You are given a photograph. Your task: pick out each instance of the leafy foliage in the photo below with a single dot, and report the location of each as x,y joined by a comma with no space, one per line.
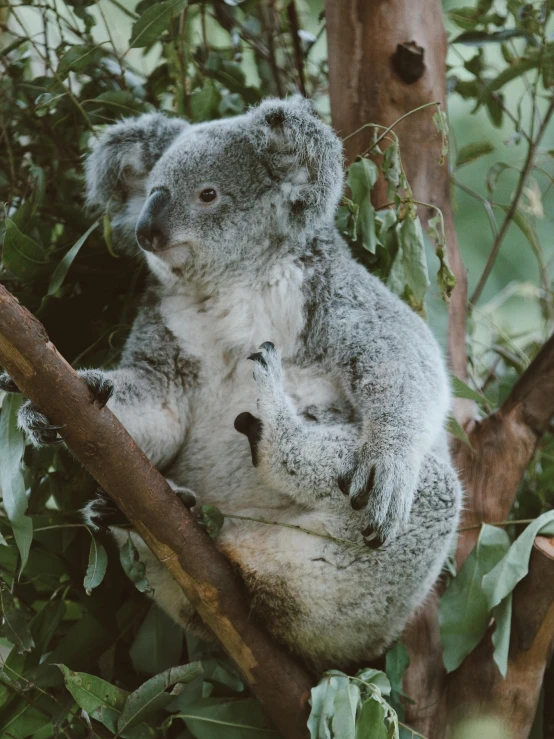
81,646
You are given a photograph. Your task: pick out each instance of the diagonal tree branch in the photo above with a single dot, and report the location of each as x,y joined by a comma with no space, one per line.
103,446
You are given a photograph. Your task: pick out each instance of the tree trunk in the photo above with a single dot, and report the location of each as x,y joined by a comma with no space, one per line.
385,60
102,445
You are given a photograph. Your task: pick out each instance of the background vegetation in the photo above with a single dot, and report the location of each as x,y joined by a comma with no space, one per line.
70,598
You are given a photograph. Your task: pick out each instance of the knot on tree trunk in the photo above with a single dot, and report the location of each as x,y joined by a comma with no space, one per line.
408,61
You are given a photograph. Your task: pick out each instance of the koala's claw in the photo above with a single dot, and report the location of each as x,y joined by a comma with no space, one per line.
186,496
101,512
37,426
7,384
258,357
101,387
383,492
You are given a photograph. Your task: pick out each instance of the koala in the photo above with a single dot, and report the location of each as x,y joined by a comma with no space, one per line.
258,320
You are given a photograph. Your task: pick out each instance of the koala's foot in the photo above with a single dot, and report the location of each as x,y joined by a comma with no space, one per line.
269,377
101,512
36,425
382,487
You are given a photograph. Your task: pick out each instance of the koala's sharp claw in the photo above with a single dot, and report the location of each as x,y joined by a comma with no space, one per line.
372,540
359,500
7,384
44,427
269,346
258,357
187,497
103,394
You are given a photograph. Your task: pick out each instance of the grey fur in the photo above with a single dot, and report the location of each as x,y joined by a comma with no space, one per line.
356,399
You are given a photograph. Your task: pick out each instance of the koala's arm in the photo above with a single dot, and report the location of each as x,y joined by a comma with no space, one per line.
150,388
391,367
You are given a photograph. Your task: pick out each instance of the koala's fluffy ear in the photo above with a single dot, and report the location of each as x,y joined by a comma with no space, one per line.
120,162
302,152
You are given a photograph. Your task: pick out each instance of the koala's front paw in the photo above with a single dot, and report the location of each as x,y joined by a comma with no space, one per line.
36,425
383,489
7,384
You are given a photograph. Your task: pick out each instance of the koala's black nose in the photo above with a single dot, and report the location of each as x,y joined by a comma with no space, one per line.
151,230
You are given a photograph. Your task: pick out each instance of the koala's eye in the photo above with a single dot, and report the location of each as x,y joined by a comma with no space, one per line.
208,195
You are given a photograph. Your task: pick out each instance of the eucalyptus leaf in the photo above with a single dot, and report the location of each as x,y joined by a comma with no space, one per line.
153,22
500,581
12,484
455,429
102,701
409,269
15,622
501,636
224,718
77,59
461,390
97,565
154,694
59,274
157,645
473,151
397,662
371,722
133,567
22,256
463,608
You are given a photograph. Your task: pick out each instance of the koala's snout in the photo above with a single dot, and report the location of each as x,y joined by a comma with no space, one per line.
151,231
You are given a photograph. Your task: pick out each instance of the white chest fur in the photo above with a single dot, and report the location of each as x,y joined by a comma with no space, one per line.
221,331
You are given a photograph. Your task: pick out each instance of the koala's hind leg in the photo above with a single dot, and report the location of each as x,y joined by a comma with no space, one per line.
301,459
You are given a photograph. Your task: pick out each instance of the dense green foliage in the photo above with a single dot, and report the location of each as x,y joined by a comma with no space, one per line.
70,600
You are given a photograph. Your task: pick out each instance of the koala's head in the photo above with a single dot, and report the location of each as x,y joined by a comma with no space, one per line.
209,197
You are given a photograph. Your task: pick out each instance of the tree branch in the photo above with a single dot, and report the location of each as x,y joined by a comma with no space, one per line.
478,684
103,446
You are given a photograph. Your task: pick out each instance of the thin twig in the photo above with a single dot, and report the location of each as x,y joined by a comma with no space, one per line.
527,167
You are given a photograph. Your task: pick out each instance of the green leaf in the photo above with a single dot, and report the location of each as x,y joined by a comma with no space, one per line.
15,622
212,519
121,101
362,176
528,230
463,608
133,567
445,277
224,718
323,707
59,274
371,722
397,662
22,256
479,38
158,643
501,636
409,269
376,678
473,151
12,484
102,701
513,567
461,390
97,566
77,59
204,102
153,22
510,73
456,430
347,701
154,694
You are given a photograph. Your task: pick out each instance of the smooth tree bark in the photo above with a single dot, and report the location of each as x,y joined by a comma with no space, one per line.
103,446
385,60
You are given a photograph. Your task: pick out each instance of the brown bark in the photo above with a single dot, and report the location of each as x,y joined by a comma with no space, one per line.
103,446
